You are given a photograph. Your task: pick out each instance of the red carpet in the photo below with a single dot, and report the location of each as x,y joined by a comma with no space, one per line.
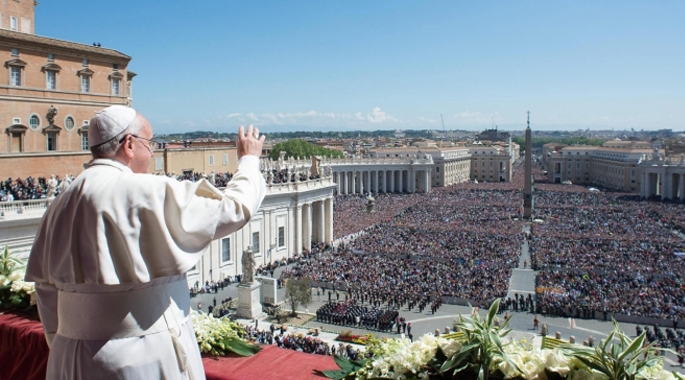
24,355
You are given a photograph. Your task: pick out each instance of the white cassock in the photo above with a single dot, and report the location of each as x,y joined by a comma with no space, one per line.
110,261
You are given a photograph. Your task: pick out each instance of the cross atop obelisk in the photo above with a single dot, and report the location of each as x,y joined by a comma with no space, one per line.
528,188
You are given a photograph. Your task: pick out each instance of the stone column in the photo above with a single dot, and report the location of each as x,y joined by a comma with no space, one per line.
392,181
321,222
428,180
307,219
682,187
362,185
353,188
298,229
329,219
381,181
412,181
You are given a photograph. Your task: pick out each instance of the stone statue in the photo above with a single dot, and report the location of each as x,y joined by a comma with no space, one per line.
249,264
212,178
52,188
316,162
52,112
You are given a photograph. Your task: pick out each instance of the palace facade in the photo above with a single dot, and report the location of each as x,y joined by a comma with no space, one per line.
51,88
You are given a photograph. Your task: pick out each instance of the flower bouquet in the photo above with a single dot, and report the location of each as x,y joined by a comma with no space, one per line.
480,350
15,293
221,336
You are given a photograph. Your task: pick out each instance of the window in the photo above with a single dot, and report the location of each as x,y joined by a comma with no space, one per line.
226,250
225,158
13,23
85,83
15,52
51,80
34,122
115,66
51,57
15,76
211,160
115,86
84,141
69,123
281,236
159,163
437,169
255,242
51,142
85,62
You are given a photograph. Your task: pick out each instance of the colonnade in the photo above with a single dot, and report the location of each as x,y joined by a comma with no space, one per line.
361,181
313,223
663,183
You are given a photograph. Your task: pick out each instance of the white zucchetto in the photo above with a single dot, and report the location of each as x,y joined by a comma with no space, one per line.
108,123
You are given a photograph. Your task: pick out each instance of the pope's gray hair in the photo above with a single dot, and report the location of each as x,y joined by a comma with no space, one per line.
110,147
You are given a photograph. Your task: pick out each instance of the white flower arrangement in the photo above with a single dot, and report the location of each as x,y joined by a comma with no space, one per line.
220,336
479,351
15,293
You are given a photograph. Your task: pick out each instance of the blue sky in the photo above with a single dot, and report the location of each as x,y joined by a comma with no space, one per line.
350,65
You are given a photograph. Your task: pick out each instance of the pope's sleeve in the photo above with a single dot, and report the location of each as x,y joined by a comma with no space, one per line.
242,197
47,309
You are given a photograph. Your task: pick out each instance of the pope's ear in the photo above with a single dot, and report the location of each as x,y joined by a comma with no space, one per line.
127,146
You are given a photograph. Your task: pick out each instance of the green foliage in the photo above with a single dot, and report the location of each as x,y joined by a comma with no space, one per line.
620,360
482,345
9,263
538,142
298,292
347,368
303,149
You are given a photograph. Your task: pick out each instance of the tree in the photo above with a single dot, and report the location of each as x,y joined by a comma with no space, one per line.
303,149
298,292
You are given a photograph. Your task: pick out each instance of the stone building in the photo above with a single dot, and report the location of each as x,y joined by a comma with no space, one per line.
493,163
405,172
662,177
52,87
451,164
613,165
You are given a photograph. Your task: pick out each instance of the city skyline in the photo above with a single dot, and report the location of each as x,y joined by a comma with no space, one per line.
393,65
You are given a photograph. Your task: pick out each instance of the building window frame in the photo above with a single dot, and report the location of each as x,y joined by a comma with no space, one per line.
86,80
51,141
51,70
34,121
115,80
255,242
84,141
225,246
69,123
281,236
15,69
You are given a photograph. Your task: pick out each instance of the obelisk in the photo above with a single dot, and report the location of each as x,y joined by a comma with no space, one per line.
528,187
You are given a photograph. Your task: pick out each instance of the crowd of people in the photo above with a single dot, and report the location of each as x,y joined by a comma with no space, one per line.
449,243
349,313
299,342
608,252
26,189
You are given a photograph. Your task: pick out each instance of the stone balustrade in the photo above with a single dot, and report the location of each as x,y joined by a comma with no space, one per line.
18,207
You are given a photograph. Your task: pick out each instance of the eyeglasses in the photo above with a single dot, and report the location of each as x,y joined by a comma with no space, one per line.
150,143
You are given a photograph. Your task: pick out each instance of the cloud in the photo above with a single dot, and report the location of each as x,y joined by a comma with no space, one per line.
377,116
313,118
